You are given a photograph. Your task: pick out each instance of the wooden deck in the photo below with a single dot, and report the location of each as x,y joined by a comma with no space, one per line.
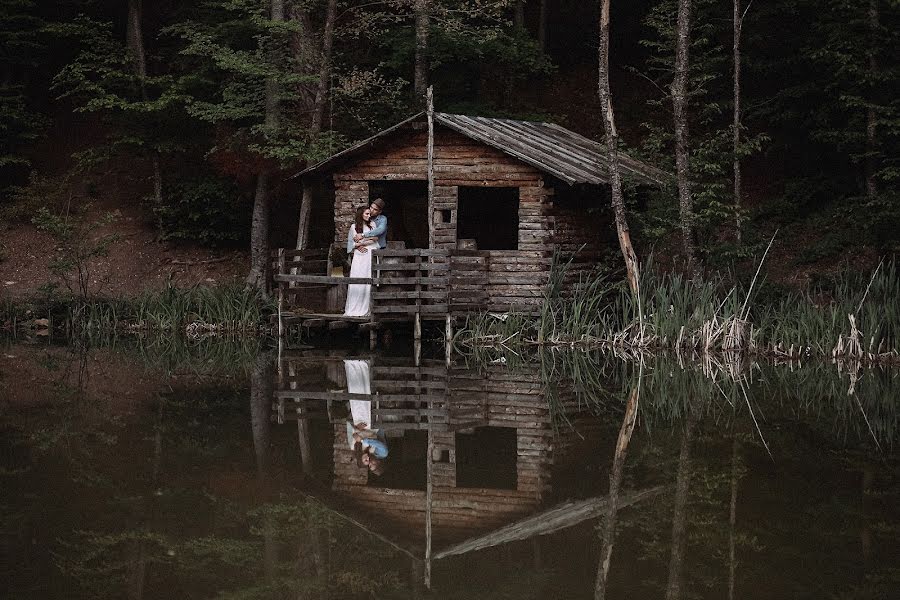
411,286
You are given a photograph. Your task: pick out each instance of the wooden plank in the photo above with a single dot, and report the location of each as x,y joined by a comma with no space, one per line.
401,309
302,395
323,279
411,267
402,295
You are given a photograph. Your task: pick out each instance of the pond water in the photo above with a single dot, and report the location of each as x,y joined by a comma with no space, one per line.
150,469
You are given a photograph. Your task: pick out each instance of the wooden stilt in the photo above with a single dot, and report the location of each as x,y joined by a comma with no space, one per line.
448,338
373,338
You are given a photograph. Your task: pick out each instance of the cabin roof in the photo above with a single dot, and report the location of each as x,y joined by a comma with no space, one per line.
548,147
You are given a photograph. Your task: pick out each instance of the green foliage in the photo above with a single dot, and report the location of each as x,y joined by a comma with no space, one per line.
20,123
77,246
204,208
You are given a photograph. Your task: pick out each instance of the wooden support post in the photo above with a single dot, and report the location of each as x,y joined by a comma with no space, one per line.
373,338
448,337
280,271
429,494
429,109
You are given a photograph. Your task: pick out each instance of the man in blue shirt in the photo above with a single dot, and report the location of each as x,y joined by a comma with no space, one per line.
379,224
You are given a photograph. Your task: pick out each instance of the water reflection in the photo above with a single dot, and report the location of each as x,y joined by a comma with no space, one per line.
563,477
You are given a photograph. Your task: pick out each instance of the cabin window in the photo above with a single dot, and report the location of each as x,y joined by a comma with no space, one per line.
486,458
406,209
490,216
446,216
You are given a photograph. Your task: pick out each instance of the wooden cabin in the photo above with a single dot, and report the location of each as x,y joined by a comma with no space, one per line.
506,195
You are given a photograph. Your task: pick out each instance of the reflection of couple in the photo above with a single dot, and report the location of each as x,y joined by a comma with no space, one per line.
367,233
368,444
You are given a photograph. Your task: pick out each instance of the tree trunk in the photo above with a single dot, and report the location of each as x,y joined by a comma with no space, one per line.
682,145
305,211
679,513
871,183
324,69
608,532
542,27
612,148
422,10
259,230
134,39
736,133
519,15
259,236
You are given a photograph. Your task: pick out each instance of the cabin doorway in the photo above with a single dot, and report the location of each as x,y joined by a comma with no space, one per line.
406,209
489,216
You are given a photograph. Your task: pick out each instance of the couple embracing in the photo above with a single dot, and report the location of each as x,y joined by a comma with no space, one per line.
368,232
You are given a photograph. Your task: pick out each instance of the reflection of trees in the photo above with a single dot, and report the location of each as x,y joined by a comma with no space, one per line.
608,531
679,513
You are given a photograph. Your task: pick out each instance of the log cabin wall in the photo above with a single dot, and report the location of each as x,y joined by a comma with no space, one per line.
516,277
513,400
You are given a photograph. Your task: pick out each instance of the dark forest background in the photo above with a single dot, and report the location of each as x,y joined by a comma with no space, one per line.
193,108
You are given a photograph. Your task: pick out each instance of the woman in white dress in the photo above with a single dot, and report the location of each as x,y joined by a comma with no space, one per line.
359,294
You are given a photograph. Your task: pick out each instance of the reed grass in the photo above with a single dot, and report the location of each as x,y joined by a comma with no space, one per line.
195,311
855,317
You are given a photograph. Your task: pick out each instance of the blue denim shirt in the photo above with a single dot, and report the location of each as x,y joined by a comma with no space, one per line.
379,230
379,448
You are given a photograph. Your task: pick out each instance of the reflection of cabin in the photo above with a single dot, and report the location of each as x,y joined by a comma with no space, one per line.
506,195
490,437
471,453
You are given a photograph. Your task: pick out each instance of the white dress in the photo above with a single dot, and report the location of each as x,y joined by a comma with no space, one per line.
358,382
359,294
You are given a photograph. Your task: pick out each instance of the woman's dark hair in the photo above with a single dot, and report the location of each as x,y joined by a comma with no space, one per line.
376,465
360,221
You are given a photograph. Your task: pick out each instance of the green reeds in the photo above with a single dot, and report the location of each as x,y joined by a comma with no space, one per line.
229,309
856,317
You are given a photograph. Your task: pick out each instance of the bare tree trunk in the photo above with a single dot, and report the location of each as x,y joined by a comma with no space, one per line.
871,183
542,27
305,211
134,37
259,236
679,516
519,15
682,145
324,69
608,533
612,148
422,10
736,133
259,230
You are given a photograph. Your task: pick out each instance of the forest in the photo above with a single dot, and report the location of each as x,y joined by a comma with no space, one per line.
774,116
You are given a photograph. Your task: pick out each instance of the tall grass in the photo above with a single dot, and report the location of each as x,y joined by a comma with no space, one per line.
230,309
857,316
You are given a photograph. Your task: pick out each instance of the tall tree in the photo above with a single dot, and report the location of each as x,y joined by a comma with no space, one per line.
259,228
737,19
134,37
682,141
871,117
612,149
423,24
318,114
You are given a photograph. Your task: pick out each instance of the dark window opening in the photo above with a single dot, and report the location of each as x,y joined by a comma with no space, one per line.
406,207
487,458
490,216
446,216
405,467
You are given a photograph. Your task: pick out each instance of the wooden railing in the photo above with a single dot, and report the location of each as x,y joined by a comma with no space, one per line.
420,284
